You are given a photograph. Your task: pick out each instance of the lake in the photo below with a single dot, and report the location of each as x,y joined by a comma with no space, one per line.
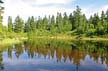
55,55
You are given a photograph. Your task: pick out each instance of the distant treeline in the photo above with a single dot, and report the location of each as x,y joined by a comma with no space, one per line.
74,24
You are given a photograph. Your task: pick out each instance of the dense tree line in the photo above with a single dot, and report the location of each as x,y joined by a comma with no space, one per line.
75,24
1,17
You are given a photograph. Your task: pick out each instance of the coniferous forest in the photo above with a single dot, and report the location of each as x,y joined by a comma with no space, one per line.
76,23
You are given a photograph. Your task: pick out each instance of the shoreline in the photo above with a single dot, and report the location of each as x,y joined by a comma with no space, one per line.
71,38
9,41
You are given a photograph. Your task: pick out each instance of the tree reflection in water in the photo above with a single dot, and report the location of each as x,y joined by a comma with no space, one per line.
1,59
72,51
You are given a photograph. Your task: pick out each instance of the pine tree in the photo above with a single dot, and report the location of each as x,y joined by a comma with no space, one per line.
10,25
100,29
103,18
32,24
83,25
107,21
95,20
59,23
107,15
71,20
27,27
45,23
48,27
52,22
66,23
1,17
76,18
39,23
18,25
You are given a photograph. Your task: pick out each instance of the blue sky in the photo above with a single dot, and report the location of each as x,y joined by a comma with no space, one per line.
26,8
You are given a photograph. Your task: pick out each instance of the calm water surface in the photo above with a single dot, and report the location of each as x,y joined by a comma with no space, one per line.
55,55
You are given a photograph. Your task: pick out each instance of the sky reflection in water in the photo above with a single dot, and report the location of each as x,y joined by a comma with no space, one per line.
55,56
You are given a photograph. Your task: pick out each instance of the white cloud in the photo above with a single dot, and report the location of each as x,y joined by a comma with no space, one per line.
92,10
42,2
22,8
103,8
25,9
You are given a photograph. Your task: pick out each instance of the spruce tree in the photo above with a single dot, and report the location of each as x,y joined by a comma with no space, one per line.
10,25
1,17
66,23
18,25
76,18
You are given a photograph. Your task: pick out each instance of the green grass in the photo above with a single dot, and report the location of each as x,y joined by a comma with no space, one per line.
71,37
8,41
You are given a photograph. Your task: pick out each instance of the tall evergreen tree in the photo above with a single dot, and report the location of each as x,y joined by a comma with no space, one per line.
10,25
107,21
45,23
66,23
59,22
1,17
100,29
18,25
90,27
103,18
83,25
95,20
76,18
39,23
27,27
53,25
48,27
107,15
71,20
32,24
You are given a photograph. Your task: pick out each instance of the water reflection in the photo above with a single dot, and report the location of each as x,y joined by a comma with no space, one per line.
1,59
71,52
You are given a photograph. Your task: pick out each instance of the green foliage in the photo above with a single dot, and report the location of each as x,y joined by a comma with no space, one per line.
82,26
91,30
59,23
107,15
1,18
67,26
62,24
75,24
100,29
53,24
76,18
30,25
44,24
95,20
10,26
18,25
1,26
103,16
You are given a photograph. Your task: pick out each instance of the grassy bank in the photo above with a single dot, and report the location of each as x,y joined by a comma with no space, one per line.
8,41
71,38
15,40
